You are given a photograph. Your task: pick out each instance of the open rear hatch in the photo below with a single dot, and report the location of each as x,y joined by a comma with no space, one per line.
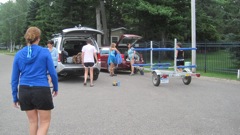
127,38
80,31
123,41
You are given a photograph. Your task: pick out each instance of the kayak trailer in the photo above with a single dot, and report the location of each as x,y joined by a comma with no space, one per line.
160,72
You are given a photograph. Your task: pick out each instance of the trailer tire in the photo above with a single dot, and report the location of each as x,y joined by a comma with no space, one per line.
155,79
187,80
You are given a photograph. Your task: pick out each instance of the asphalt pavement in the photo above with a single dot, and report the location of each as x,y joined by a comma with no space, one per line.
208,106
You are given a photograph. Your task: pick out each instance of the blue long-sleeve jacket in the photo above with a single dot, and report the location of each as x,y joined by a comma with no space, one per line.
30,68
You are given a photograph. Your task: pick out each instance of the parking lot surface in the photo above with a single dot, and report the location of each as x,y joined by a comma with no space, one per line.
208,106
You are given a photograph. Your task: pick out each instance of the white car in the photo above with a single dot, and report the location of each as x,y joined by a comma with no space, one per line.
69,43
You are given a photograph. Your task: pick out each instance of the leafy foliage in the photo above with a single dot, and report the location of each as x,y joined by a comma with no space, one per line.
153,19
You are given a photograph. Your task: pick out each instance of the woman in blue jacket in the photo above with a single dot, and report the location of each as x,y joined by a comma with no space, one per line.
30,88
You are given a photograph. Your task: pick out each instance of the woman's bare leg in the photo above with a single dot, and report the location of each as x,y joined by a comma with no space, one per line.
132,67
33,121
85,75
111,68
44,121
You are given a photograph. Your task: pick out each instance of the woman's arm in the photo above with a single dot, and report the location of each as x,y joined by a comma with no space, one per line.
55,57
52,72
95,55
15,80
116,50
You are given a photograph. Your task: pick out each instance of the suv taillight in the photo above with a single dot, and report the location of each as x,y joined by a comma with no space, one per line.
59,57
98,57
122,55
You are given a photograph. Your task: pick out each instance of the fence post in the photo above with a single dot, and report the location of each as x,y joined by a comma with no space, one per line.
175,55
151,53
205,58
238,75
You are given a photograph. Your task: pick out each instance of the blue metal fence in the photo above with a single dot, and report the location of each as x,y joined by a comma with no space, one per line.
211,57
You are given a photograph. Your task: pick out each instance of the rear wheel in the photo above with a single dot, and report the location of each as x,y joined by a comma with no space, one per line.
187,80
62,76
155,79
95,77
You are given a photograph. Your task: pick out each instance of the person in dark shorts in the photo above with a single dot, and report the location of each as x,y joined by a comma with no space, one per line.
88,54
180,56
29,82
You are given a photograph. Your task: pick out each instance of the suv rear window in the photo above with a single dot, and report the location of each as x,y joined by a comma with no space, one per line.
73,47
105,51
122,50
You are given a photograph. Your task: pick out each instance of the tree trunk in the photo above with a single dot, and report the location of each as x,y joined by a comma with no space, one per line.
99,26
104,22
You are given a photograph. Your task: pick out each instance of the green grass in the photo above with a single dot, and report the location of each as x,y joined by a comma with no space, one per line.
219,75
7,52
220,58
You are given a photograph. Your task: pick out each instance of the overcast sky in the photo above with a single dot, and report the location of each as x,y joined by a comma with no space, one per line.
3,1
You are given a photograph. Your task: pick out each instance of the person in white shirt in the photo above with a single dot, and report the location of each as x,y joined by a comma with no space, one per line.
88,54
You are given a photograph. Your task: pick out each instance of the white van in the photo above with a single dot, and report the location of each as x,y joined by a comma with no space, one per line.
69,43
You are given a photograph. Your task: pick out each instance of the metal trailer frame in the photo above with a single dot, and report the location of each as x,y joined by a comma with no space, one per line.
162,76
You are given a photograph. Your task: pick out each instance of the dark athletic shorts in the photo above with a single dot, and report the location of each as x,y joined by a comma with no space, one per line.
180,63
35,97
88,64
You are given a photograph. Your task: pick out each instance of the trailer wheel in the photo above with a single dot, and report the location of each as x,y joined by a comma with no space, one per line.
187,80
155,79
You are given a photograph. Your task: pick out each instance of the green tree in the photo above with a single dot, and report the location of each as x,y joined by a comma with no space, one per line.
231,21
209,19
153,19
53,16
12,22
9,23
22,6
158,20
